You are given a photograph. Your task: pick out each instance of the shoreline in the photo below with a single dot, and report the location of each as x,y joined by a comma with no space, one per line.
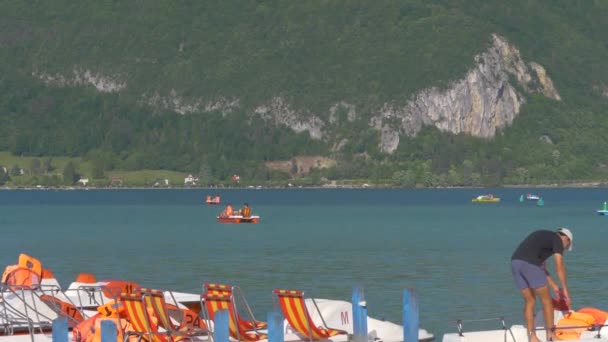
581,185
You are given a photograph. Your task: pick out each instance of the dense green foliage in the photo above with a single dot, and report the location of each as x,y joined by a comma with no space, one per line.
314,54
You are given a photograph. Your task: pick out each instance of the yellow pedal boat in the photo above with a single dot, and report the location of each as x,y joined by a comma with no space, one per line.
486,199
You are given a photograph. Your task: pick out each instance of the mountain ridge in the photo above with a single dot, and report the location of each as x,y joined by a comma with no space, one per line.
467,87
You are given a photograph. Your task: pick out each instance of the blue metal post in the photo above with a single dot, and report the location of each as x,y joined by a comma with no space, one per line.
60,329
275,327
220,326
410,316
359,315
108,331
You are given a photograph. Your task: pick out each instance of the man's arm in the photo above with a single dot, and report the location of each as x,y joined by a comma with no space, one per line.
550,280
552,284
560,269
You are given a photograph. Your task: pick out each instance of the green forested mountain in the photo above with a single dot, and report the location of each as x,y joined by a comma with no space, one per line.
178,85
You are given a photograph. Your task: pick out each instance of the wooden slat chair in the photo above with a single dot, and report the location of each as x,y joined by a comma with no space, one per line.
215,302
239,298
294,310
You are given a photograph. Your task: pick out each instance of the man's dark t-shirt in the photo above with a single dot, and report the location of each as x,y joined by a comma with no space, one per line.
538,247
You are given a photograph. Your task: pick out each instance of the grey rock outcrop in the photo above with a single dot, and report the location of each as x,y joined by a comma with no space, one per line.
480,104
280,113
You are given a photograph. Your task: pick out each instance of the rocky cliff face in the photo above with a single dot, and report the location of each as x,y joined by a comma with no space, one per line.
481,103
81,77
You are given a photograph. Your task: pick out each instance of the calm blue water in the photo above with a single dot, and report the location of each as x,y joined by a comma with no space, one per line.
455,253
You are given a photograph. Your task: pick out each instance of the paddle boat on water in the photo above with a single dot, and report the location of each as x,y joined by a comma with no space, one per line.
212,200
604,210
31,300
241,216
486,199
532,197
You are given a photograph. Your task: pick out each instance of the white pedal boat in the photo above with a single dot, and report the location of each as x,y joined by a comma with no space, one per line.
518,333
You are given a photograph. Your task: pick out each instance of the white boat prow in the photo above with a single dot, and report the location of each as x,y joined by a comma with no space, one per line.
338,314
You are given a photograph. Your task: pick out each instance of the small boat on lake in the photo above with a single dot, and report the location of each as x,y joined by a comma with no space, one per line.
212,200
604,210
532,197
486,199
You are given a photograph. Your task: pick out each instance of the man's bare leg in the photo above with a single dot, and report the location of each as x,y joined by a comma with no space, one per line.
545,299
529,302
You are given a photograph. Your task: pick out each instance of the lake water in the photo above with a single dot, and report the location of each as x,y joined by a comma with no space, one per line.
453,252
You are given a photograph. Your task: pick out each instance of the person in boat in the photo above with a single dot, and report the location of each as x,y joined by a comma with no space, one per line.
228,211
533,279
245,210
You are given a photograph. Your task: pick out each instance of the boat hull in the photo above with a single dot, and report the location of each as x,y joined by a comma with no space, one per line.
238,219
494,200
602,212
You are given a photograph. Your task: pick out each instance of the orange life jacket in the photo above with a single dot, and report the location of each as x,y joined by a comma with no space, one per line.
246,211
572,325
599,315
18,277
26,274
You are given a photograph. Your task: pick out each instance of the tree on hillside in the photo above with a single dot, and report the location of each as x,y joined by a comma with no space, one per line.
47,165
15,170
3,176
97,171
70,174
35,167
204,174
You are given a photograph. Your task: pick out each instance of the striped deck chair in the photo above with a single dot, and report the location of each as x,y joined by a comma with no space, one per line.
294,309
216,302
140,311
155,299
239,298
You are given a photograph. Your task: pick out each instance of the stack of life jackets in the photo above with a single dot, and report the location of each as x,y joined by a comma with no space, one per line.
574,323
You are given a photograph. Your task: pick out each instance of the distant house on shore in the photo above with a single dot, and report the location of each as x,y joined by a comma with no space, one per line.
161,182
83,181
190,180
116,181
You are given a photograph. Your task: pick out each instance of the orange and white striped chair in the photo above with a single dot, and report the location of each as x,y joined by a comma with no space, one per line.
147,313
225,301
239,302
294,309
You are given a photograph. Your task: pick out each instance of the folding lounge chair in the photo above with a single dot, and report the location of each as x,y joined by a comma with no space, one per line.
140,307
155,299
239,298
215,302
294,309
64,309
